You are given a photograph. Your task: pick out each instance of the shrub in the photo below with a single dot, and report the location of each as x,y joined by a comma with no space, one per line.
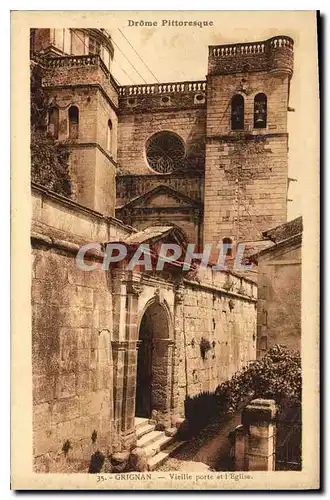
276,376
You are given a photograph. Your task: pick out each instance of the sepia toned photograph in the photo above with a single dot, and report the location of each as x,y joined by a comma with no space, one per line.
167,175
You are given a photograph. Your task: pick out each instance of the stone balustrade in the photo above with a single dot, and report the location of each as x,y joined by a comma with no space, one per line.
75,62
281,41
162,88
251,48
237,49
274,54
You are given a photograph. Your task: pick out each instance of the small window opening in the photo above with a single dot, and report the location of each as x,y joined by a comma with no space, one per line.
109,136
73,122
237,112
260,111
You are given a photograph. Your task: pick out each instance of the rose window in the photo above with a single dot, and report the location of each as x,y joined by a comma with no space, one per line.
165,152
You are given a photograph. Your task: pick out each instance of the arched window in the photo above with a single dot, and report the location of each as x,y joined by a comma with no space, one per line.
227,246
237,112
53,122
260,111
73,122
109,136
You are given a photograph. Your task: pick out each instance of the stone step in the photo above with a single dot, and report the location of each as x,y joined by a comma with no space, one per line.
143,429
161,456
149,438
157,445
140,422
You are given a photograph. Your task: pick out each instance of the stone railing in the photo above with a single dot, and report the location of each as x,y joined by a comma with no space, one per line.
75,62
274,54
238,49
162,88
281,41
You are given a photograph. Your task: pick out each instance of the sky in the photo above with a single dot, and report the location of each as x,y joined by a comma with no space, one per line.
180,53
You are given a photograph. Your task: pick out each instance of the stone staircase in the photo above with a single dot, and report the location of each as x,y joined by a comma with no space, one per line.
157,445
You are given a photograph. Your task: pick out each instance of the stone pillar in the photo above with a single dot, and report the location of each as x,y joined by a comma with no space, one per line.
118,287
118,353
258,419
130,363
129,395
177,406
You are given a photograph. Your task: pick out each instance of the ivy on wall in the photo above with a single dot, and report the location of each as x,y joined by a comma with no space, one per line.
49,161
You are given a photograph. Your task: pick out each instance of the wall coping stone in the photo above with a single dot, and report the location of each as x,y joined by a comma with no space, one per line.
220,291
259,411
77,207
65,245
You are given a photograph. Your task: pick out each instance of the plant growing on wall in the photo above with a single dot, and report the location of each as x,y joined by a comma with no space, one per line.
49,161
205,346
67,446
231,304
228,285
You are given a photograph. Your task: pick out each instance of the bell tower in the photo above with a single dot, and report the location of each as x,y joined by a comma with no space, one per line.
246,167
82,98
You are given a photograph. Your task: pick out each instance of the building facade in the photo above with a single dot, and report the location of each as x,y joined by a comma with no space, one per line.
199,154
279,288
173,162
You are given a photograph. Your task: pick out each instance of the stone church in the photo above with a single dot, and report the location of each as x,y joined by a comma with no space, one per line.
115,354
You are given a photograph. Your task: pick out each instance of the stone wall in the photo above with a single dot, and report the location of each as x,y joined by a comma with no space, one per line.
72,364
279,305
72,325
134,129
226,319
72,220
239,202
242,165
131,186
85,331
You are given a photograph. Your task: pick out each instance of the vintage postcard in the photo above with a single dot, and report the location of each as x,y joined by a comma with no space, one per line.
165,239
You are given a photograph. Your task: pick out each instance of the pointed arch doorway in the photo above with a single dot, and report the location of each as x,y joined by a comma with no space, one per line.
153,384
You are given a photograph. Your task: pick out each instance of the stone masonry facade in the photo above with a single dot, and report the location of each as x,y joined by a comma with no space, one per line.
86,336
165,156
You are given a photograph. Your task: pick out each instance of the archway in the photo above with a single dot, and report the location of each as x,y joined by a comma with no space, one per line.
153,385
